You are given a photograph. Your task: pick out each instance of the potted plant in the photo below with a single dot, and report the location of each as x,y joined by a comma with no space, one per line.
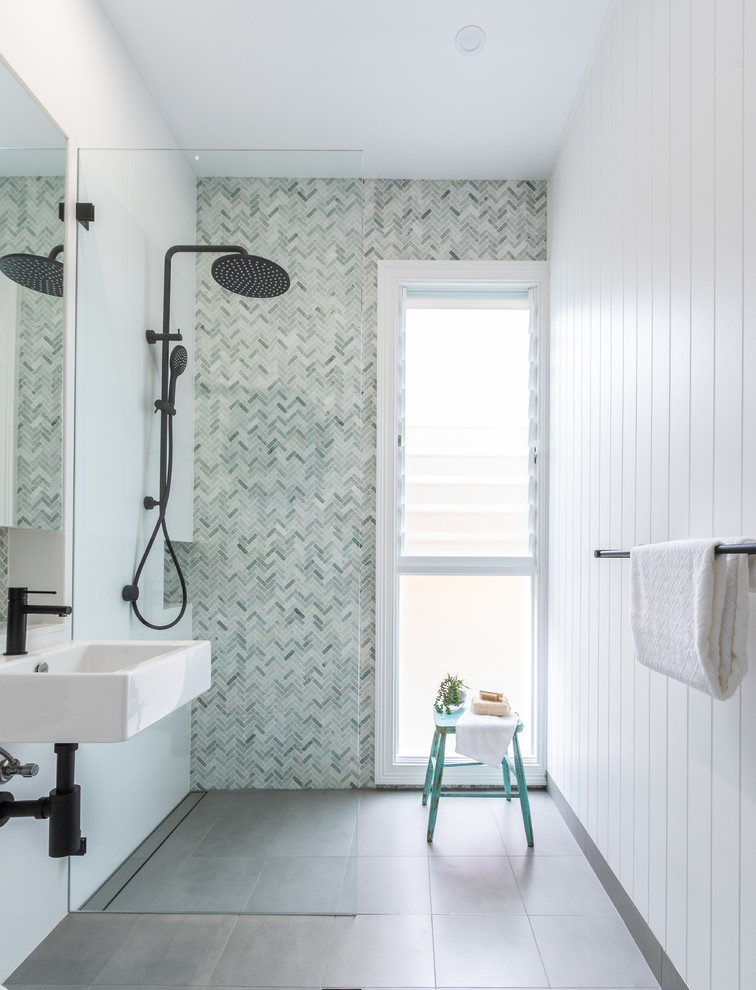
451,695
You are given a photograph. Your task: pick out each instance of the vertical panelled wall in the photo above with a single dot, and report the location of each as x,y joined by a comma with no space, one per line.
282,571
653,437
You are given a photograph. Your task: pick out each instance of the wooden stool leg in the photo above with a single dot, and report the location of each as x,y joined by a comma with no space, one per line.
507,778
522,790
429,771
437,778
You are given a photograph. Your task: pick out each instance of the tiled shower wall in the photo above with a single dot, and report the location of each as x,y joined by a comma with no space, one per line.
281,574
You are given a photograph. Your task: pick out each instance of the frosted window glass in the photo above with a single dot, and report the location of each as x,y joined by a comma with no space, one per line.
478,628
466,428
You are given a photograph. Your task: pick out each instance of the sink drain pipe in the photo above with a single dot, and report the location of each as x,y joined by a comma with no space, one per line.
62,807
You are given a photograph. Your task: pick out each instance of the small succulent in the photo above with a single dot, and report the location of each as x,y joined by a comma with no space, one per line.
450,694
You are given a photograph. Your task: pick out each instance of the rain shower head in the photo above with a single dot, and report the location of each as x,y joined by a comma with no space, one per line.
35,272
249,275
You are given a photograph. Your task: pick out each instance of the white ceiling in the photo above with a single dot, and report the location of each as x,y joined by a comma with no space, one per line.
382,76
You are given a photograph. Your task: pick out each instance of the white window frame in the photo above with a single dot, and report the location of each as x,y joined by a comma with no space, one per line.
394,279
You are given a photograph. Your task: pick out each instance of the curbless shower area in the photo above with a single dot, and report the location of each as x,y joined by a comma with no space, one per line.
272,415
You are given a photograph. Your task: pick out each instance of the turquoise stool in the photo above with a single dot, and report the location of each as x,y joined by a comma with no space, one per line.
447,724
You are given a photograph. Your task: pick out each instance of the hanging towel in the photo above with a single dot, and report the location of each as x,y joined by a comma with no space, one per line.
485,739
689,612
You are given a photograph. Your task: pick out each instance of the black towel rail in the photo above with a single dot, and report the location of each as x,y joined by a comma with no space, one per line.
722,548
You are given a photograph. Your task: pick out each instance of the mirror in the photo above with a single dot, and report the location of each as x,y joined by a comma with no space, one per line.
32,184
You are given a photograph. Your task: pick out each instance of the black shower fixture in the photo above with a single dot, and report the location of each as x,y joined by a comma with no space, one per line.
43,274
246,275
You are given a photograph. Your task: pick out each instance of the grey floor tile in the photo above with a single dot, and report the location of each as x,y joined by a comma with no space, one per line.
239,836
551,835
380,951
466,827
260,805
169,824
486,951
293,885
474,885
393,885
301,836
43,986
113,885
392,823
348,897
141,892
560,885
205,884
76,950
169,950
274,952
337,803
590,952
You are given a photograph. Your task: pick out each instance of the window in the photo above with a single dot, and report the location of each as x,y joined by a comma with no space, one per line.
460,485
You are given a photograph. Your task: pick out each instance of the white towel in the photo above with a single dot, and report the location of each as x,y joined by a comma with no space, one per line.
689,612
485,738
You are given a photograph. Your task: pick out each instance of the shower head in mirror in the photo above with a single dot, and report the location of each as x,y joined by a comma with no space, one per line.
249,275
35,271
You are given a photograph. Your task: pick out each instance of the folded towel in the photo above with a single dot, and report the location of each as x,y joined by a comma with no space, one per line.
501,708
491,696
689,612
485,739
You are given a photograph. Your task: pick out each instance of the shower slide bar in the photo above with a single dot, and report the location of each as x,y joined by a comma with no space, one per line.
722,548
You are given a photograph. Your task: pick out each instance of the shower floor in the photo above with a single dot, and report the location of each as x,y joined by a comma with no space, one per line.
243,852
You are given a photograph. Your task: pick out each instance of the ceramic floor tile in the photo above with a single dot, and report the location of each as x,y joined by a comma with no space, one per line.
141,892
242,836
206,884
560,885
293,885
169,950
76,950
275,952
590,952
466,827
550,833
380,951
43,986
304,837
486,951
474,885
393,885
101,898
392,828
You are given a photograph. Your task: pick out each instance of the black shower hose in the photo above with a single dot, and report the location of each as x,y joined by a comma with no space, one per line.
160,524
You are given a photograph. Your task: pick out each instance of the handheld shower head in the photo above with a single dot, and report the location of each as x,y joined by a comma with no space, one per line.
249,275
35,272
178,362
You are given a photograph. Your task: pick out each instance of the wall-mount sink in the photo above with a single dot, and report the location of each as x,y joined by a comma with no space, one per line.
99,691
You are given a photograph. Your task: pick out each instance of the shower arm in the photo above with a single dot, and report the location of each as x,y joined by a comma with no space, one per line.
165,338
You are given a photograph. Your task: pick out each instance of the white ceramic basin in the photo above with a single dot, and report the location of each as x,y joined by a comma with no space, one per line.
99,691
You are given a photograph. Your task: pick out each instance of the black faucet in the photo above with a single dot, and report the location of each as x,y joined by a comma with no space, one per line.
18,609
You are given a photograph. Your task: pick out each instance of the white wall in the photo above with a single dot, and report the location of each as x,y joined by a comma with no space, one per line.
653,245
70,59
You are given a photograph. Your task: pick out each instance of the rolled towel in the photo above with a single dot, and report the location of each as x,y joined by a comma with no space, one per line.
491,696
500,708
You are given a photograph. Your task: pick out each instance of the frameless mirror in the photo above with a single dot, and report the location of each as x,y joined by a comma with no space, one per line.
32,184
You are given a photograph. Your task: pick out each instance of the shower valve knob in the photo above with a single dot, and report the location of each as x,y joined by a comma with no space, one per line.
130,593
149,502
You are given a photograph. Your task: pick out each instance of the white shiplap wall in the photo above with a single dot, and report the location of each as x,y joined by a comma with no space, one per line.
653,437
